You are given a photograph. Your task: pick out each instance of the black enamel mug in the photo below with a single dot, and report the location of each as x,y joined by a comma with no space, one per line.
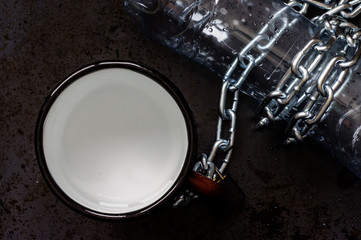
115,139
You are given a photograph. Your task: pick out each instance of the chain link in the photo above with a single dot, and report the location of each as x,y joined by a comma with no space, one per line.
310,84
344,8
304,86
250,56
303,6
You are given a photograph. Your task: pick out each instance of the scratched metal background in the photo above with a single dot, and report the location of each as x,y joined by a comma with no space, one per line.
295,193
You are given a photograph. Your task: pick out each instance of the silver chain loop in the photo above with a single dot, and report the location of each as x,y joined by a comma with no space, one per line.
303,6
250,56
305,86
344,8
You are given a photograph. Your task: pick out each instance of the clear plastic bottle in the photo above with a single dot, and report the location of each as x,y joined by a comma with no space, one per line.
213,32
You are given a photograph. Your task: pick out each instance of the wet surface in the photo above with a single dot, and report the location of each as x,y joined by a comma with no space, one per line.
298,192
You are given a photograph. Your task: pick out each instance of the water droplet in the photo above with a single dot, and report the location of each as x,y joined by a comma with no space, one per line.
270,16
210,29
235,22
243,20
262,23
223,11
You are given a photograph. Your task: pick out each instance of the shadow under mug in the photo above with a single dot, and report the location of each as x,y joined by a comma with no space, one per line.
115,139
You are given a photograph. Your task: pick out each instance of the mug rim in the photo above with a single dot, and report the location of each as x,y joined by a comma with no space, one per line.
167,85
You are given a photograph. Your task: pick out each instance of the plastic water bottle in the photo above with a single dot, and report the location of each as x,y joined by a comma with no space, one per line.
213,32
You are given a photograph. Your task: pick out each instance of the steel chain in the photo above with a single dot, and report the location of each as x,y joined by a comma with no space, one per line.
305,86
250,56
345,8
301,5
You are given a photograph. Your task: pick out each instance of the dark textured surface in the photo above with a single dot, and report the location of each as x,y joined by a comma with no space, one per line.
294,193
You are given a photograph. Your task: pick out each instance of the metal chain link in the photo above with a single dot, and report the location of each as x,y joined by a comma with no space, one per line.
303,6
305,85
345,8
250,56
